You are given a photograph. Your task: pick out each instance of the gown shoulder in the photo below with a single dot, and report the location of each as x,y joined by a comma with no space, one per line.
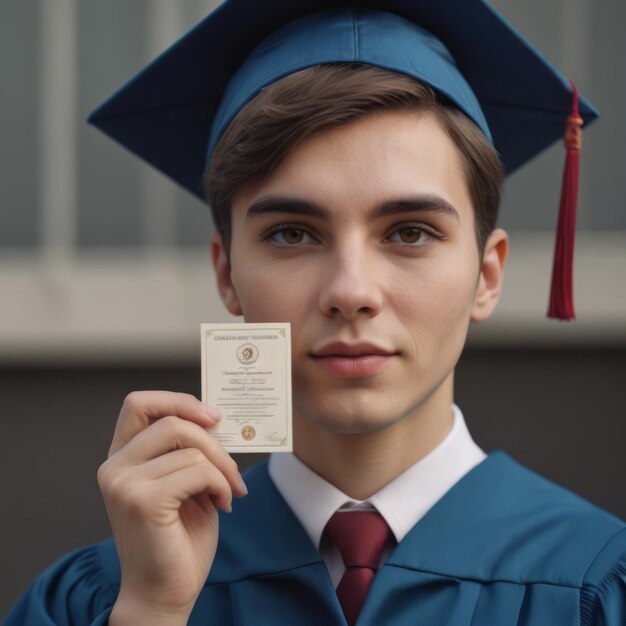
502,526
79,588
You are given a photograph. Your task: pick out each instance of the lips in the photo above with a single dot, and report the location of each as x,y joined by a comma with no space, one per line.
352,360
338,348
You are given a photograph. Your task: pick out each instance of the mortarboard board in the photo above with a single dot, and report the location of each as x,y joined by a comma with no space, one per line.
173,113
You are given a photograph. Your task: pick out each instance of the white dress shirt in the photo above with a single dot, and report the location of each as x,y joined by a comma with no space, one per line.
402,502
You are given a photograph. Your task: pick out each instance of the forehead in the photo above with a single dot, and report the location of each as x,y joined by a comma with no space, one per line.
365,162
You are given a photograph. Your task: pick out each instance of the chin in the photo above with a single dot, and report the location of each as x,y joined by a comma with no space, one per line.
352,422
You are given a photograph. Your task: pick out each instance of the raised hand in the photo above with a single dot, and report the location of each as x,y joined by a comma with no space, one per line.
163,481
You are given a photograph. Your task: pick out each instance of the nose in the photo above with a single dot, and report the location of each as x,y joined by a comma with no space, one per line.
352,288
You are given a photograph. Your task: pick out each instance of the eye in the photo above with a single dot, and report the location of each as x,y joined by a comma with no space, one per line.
288,235
411,234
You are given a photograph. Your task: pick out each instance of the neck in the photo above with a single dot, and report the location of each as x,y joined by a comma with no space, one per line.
361,464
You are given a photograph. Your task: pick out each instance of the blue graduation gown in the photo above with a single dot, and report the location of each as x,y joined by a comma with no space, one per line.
503,547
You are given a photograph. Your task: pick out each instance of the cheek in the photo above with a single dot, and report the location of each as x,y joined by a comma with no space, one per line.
439,293
269,293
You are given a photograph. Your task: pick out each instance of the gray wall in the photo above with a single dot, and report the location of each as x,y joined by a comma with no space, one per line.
115,38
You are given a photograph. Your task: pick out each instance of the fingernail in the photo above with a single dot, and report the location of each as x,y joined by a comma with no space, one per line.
226,507
212,412
242,484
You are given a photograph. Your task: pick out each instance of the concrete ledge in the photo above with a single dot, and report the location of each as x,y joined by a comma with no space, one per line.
111,306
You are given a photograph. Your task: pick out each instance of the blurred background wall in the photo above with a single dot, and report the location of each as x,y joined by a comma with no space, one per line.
105,272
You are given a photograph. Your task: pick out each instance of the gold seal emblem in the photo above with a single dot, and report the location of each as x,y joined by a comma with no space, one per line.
248,432
247,353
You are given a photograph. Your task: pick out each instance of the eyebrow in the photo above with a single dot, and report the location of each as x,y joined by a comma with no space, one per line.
396,206
283,204
422,203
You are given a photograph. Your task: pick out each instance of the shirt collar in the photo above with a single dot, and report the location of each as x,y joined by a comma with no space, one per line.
402,502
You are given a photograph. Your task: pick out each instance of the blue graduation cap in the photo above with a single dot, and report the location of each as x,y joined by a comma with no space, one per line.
173,113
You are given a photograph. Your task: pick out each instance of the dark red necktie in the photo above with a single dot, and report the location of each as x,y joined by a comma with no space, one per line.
361,537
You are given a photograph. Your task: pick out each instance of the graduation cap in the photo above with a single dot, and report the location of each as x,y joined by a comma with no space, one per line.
173,113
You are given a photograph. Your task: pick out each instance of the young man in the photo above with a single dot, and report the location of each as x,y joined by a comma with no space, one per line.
355,191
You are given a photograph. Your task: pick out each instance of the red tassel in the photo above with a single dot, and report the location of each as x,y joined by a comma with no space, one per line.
562,290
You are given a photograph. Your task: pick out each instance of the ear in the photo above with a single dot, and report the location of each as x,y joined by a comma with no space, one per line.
223,276
491,275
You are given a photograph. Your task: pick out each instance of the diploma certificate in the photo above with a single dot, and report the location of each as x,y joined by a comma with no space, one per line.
246,373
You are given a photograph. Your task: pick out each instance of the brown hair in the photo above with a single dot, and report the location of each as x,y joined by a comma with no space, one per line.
322,97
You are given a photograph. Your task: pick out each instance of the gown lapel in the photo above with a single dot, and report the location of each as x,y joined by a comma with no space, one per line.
275,575
478,557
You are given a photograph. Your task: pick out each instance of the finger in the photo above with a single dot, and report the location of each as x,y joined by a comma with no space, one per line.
141,408
169,463
172,433
196,479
